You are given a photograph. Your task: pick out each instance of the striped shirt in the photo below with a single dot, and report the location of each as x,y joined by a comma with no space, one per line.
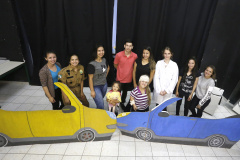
141,100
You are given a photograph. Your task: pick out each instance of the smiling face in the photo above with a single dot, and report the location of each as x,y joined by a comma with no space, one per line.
51,58
128,47
143,84
115,87
100,52
191,64
167,54
146,54
208,72
74,61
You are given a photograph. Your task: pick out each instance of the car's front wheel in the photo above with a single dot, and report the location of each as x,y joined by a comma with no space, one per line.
144,134
216,141
86,136
3,141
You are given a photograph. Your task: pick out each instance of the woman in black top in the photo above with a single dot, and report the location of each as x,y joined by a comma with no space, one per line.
144,66
186,85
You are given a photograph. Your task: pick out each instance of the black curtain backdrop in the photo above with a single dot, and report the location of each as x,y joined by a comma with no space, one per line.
183,25
66,27
223,47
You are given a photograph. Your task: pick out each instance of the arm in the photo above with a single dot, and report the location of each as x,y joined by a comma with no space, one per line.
151,76
115,65
108,70
207,95
179,80
134,75
193,90
90,78
134,106
51,99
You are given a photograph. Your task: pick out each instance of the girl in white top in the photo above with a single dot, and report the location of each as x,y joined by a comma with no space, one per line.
166,77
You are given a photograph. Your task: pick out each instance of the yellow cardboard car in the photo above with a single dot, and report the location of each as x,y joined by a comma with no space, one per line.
72,123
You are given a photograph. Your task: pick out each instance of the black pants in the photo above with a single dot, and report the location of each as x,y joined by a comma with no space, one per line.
195,102
58,98
125,87
186,104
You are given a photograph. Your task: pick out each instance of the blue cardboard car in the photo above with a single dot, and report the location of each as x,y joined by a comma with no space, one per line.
158,126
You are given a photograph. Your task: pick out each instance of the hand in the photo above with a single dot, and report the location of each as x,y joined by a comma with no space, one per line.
82,95
198,106
93,94
162,93
177,94
51,99
190,97
134,107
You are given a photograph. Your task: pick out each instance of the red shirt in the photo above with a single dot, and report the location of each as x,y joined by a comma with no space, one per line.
125,66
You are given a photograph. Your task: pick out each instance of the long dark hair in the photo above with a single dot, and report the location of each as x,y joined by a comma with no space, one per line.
194,70
94,54
152,63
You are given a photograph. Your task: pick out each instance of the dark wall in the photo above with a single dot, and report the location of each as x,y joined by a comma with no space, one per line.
10,46
223,45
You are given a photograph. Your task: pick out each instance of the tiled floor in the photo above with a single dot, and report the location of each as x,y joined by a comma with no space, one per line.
19,96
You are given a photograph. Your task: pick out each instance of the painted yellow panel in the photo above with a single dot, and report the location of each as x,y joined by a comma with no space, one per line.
14,124
53,123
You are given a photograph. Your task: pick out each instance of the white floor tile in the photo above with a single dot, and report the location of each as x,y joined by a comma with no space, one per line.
234,152
108,158
220,152
33,157
37,107
144,158
110,148
205,151
58,148
33,100
193,158
93,148
7,98
143,149
28,92
39,93
127,148
175,150
219,115
72,157
209,158
224,158
190,150
177,158
43,100
126,138
52,157
5,149
90,158
115,136
39,149
236,158
24,107
1,156
126,158
13,157
11,106
161,158
20,149
159,149
75,148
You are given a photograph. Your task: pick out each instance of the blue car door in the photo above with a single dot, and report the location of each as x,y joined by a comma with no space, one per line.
171,126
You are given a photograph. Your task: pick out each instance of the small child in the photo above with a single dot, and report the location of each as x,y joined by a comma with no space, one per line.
114,96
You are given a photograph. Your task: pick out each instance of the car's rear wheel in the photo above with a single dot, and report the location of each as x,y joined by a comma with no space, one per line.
144,134
3,141
86,136
216,141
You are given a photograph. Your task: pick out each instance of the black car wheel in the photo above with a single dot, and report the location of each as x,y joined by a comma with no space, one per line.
3,141
144,134
86,136
216,141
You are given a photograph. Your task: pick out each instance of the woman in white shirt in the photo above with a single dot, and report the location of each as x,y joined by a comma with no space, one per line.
166,77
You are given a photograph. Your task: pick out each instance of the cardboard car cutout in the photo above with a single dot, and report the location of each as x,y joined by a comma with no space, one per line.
72,123
158,126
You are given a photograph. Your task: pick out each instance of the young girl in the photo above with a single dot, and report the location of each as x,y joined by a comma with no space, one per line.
114,96
187,83
140,97
203,92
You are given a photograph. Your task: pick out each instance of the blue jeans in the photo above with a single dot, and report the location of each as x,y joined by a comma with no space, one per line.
100,92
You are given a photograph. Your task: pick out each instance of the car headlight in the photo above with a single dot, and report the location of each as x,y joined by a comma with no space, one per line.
123,114
111,115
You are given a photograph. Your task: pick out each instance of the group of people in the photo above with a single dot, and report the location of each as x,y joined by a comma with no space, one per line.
143,73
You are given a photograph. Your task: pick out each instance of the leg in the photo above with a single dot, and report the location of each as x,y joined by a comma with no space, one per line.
124,92
59,92
84,100
200,111
98,97
179,102
165,97
194,103
56,103
186,105
113,110
104,89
